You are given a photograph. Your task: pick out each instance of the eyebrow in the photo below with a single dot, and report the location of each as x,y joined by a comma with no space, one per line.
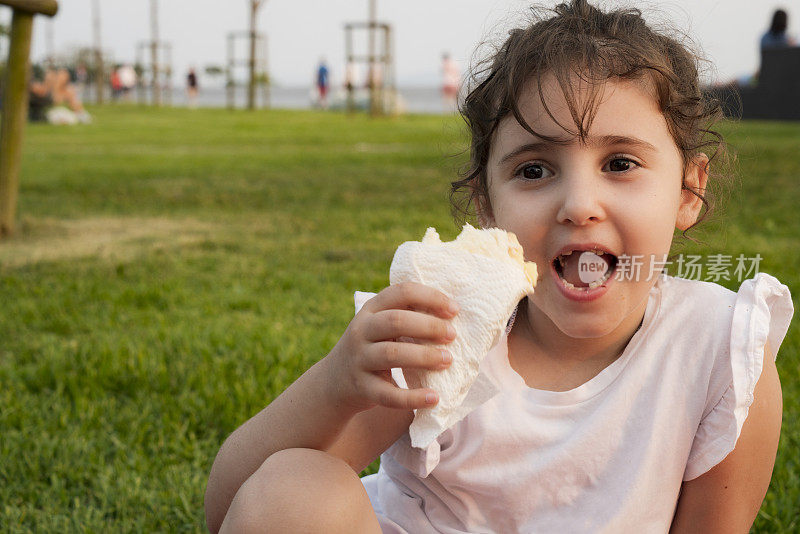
601,141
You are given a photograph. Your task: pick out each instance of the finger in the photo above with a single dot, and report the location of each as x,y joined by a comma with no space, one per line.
392,324
395,397
414,296
388,355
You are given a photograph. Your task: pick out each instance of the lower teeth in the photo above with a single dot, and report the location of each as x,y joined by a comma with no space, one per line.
597,283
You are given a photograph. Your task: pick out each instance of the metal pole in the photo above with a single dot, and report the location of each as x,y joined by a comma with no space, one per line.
15,111
98,53
349,67
372,75
264,68
251,87
167,49
230,89
388,62
141,50
154,51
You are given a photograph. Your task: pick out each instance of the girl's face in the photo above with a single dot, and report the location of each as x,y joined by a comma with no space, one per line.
619,192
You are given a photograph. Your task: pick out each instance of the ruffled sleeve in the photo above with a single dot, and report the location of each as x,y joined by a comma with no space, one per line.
762,312
419,461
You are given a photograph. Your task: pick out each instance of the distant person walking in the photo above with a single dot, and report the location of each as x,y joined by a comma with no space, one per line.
191,88
322,84
451,79
116,83
776,36
127,80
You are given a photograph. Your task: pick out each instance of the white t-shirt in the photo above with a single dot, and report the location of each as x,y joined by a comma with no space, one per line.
609,455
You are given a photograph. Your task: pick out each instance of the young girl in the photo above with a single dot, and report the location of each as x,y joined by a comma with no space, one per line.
624,407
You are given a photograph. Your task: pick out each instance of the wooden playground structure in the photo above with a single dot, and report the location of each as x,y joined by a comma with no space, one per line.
256,64
380,64
159,69
15,102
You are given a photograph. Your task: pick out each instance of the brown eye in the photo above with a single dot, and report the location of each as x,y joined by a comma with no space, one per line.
619,165
532,172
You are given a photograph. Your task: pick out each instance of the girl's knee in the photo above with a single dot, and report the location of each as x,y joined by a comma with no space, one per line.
302,490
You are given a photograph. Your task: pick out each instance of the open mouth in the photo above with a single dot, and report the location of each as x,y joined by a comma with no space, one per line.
585,269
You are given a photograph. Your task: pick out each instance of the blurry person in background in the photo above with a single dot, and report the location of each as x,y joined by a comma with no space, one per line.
116,83
191,88
323,83
127,80
56,100
776,36
451,79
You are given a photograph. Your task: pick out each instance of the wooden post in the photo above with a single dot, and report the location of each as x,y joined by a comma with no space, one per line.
15,104
15,111
33,7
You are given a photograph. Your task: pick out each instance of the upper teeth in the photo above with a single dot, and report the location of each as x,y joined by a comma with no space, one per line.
596,251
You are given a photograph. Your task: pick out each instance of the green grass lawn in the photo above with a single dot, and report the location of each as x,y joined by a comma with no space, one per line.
175,270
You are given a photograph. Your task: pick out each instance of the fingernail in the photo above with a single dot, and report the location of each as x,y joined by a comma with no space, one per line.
430,398
446,357
453,307
451,332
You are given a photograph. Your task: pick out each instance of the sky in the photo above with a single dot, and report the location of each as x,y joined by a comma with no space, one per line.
300,32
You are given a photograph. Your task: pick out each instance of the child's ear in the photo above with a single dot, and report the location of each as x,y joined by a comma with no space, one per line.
695,180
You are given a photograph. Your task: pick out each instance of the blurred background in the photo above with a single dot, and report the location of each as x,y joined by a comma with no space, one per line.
297,35
197,188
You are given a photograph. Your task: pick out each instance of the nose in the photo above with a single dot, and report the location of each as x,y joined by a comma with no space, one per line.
580,201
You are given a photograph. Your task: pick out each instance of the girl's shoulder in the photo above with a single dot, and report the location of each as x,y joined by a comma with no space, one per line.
697,308
753,322
678,287
689,295
710,315
693,306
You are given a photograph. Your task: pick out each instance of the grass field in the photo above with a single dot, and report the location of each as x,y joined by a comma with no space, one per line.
175,270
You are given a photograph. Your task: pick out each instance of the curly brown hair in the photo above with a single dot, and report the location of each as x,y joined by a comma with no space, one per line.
580,40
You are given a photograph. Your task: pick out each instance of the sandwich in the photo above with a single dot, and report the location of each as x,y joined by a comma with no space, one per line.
485,272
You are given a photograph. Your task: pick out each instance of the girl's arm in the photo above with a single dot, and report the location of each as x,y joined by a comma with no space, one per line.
353,379
359,440
302,416
728,497
370,433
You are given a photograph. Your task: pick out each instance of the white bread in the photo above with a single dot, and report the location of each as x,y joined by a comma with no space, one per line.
485,273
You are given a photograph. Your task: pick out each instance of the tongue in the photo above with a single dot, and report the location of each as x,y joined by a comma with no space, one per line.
582,268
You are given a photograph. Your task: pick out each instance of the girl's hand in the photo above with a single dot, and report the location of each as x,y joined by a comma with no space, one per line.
360,363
